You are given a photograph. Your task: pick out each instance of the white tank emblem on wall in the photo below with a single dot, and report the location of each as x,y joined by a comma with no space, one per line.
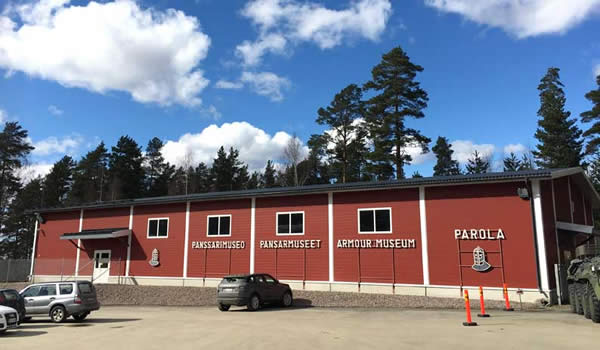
154,260
479,262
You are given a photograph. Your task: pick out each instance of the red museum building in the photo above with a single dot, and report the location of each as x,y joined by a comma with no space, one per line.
424,236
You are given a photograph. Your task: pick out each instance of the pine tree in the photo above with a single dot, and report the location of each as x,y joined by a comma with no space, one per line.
526,162
416,175
593,116
445,164
241,178
158,173
512,163
593,172
268,177
20,225
559,138
398,96
228,172
90,177
126,171
477,164
57,183
313,170
341,116
254,181
14,149
203,178
359,153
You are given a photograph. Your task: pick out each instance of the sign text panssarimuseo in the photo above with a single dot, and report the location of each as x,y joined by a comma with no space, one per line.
218,245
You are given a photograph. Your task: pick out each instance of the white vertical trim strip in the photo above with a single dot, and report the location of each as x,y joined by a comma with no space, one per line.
35,230
79,243
252,232
424,249
539,235
559,258
187,239
330,234
571,204
129,242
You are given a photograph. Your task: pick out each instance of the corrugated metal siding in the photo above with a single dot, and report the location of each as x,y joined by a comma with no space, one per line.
561,197
215,263
53,255
170,249
290,263
377,265
484,206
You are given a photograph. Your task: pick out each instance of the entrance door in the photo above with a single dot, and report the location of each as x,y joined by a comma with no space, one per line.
101,266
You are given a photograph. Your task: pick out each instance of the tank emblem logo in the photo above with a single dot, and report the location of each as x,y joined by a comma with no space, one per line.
154,262
479,262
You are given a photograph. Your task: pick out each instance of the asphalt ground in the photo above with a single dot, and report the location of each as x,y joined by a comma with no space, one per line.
138,327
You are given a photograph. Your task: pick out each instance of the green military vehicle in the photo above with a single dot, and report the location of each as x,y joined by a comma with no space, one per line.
584,284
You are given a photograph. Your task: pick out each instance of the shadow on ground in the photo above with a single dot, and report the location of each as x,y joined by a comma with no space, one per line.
21,333
299,303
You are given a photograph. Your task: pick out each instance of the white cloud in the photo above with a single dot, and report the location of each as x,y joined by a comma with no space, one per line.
3,116
280,22
515,148
263,83
597,70
463,150
213,112
254,144
230,85
112,46
55,110
54,145
31,171
522,18
266,84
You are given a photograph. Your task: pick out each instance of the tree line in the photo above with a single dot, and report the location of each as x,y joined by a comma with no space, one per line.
366,140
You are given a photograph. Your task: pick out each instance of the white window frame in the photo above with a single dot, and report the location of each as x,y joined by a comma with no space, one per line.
375,232
219,216
157,227
290,215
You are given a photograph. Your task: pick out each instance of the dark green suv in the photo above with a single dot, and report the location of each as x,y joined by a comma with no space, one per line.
253,291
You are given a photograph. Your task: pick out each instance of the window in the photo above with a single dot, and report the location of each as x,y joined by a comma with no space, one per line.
269,279
85,287
9,296
65,289
40,291
158,228
377,220
291,223
218,225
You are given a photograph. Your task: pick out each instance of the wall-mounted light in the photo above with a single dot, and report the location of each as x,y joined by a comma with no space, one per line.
523,192
40,218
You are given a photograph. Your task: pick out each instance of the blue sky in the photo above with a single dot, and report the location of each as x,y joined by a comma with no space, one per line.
249,74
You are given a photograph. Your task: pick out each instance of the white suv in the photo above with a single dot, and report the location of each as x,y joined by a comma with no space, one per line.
9,318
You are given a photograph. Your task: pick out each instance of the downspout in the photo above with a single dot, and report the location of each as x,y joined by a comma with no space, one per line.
535,245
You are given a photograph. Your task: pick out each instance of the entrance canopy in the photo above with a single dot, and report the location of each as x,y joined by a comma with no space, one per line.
97,234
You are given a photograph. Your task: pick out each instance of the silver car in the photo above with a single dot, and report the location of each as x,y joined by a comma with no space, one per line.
60,300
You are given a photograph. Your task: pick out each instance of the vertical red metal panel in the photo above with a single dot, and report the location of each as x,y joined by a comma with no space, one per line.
376,263
577,198
100,219
561,198
481,206
289,263
219,262
170,249
53,255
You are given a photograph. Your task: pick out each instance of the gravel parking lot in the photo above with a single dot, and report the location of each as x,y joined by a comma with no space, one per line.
123,327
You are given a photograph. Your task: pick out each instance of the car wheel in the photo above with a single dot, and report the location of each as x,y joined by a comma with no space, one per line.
254,303
80,317
224,307
58,314
287,299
